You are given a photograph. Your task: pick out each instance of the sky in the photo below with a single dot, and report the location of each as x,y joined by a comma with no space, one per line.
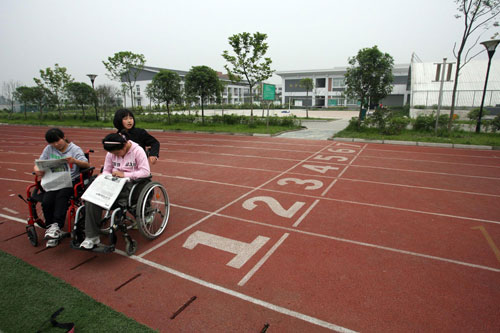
313,34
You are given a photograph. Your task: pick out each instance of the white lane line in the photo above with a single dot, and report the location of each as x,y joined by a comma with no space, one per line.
11,169
12,218
428,172
228,204
261,262
296,224
10,210
421,187
431,161
241,296
344,170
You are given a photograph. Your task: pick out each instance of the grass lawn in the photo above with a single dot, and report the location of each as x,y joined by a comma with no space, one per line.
460,137
185,126
30,296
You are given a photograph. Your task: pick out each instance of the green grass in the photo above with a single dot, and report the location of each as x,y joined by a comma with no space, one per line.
30,296
457,137
197,127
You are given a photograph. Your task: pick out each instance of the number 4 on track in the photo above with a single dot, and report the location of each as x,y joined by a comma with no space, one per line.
319,168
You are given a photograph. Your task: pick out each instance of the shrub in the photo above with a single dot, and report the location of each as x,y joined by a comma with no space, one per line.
395,125
474,114
495,124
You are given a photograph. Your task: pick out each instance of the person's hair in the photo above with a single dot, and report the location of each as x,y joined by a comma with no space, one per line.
115,141
54,135
119,115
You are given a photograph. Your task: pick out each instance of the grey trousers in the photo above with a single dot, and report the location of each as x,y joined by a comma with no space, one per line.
93,213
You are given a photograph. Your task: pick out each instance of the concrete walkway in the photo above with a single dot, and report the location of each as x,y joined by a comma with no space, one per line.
321,129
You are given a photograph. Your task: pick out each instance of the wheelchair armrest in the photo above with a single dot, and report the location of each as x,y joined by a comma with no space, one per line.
87,170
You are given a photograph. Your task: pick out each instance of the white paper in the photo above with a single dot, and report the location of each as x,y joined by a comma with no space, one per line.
57,174
104,190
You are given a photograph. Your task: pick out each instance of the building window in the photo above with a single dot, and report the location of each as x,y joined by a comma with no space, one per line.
138,89
321,83
338,83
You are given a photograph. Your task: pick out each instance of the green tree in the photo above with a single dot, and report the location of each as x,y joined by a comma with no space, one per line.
24,95
9,92
81,94
475,14
125,66
107,96
202,81
369,77
166,88
308,84
248,61
54,80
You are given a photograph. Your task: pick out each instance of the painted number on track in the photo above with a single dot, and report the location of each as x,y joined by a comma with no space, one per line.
315,183
274,205
331,157
243,251
319,168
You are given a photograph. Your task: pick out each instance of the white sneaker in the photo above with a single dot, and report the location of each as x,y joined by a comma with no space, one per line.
90,243
52,243
53,232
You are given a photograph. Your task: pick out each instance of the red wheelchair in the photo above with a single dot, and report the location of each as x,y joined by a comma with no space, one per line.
34,196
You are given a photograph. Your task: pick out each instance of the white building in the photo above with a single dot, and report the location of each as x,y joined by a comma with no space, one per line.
416,84
234,93
426,82
329,87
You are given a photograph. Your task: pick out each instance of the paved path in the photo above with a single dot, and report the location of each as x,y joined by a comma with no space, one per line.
317,130
321,129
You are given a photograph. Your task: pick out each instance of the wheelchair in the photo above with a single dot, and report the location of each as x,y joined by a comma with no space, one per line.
34,197
147,208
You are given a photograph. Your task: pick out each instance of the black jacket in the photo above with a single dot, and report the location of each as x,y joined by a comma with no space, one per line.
144,139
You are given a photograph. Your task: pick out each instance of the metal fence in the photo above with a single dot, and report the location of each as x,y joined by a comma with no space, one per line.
464,98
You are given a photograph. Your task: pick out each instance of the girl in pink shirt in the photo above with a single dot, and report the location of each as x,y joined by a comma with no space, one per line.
125,158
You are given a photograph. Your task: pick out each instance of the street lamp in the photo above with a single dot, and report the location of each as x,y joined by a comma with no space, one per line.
490,46
92,79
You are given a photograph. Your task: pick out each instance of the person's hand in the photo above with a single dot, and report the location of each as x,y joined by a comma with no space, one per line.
70,160
153,159
39,173
118,174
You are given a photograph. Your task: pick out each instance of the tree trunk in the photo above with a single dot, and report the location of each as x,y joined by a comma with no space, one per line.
251,105
202,112
132,97
453,95
168,113
83,111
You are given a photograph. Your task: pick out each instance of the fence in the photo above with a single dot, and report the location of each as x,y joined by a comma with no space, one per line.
464,98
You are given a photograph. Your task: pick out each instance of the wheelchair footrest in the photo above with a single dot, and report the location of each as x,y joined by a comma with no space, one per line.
100,248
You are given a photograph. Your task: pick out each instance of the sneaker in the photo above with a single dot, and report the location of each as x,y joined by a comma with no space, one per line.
52,243
90,243
53,231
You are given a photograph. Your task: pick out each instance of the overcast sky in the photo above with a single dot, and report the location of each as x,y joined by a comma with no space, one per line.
312,34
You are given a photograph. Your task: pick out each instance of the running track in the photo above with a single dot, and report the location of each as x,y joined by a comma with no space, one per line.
290,235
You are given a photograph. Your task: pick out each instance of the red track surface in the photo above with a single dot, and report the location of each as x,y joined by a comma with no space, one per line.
301,235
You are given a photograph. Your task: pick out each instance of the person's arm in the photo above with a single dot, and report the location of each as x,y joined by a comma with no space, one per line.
79,159
108,164
150,141
43,156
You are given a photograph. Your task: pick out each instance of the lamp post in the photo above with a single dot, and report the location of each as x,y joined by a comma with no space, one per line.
92,79
490,46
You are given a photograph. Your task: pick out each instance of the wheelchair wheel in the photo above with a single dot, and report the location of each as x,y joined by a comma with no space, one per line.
32,236
153,209
78,233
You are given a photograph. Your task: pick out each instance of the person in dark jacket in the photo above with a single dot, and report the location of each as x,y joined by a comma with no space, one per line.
124,120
